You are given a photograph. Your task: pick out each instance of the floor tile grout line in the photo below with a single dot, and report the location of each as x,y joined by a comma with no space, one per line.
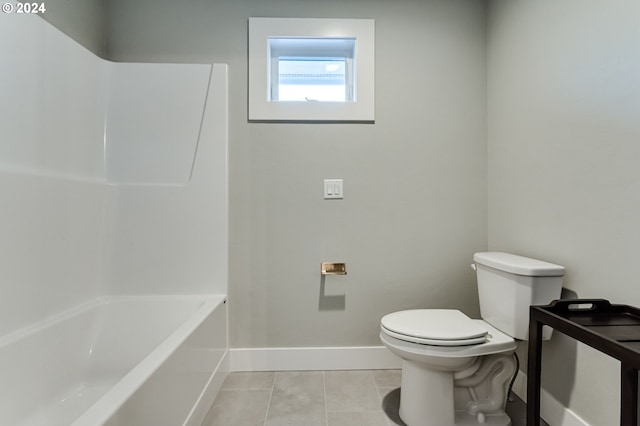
380,398
381,395
273,385
324,388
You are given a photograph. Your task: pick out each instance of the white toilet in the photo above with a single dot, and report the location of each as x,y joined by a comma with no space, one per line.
456,370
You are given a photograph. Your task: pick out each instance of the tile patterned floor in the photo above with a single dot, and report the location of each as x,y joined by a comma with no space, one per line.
315,398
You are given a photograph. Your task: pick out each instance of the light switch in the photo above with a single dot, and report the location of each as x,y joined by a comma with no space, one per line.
333,189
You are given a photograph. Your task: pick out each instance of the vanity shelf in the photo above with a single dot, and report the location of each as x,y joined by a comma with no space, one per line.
611,329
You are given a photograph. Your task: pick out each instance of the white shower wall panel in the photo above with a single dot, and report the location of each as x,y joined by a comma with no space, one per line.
164,242
51,249
169,222
53,101
51,172
153,121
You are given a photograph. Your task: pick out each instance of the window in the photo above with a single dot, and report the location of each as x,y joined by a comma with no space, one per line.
311,69
311,79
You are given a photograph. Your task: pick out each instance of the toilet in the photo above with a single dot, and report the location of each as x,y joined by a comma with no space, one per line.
456,371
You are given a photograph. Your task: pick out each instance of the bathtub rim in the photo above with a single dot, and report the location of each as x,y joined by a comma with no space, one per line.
58,317
108,404
50,321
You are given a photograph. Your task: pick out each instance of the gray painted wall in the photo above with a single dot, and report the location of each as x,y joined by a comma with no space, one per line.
82,20
563,164
415,191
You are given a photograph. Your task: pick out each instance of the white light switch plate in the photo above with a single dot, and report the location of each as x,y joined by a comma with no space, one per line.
333,189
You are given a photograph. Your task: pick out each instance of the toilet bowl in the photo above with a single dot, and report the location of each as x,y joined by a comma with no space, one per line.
456,370
431,371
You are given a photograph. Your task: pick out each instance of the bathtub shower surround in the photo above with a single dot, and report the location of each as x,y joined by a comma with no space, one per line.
113,256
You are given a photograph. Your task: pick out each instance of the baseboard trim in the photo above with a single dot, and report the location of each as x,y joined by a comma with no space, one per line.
330,358
551,410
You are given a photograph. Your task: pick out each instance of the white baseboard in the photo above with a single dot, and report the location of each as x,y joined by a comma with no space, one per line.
551,410
290,359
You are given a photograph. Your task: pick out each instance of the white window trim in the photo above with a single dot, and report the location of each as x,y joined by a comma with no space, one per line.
261,109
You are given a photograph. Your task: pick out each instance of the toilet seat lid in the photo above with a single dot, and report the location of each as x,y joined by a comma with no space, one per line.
446,327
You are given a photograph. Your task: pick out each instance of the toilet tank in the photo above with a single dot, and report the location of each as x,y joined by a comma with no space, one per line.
509,284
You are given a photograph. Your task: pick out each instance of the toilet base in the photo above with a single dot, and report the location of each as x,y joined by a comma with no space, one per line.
426,396
426,399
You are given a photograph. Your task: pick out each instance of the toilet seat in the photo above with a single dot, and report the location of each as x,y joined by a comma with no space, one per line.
497,342
437,327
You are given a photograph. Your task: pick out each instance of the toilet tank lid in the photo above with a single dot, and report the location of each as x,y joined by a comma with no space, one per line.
518,265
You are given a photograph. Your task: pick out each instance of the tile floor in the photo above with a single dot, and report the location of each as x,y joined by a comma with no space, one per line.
316,398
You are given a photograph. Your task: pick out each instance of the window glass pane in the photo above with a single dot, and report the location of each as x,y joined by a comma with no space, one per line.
311,79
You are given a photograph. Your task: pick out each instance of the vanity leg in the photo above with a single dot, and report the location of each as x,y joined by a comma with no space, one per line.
629,395
534,366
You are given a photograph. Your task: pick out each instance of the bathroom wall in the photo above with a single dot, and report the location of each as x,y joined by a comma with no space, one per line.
82,20
414,210
564,186
51,172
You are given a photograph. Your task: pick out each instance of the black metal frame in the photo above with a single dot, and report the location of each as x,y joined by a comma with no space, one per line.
611,329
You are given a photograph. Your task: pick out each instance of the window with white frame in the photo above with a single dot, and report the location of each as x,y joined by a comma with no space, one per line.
311,69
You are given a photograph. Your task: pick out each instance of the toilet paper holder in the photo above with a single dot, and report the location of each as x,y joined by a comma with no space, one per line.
332,268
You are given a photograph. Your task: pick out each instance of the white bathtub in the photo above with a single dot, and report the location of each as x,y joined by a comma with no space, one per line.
125,361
